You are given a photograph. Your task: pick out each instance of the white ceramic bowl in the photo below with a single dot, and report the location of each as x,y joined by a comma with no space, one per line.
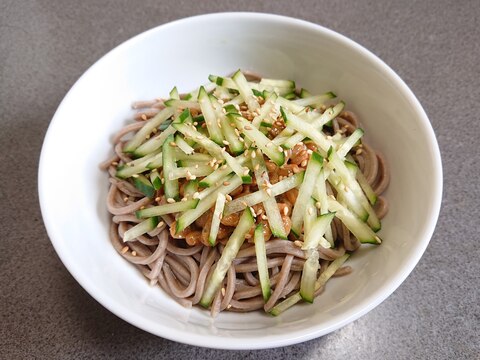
183,53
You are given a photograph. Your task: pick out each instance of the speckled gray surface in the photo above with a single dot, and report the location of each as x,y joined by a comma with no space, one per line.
46,45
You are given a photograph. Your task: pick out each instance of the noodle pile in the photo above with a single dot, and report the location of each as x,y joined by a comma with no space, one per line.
181,263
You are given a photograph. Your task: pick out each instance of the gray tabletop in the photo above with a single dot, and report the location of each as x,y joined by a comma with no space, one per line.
46,45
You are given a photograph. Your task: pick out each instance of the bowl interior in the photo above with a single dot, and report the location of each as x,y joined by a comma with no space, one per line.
73,189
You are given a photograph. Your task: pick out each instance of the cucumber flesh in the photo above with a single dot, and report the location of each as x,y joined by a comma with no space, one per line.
165,209
261,255
305,192
171,185
217,215
228,254
140,229
357,227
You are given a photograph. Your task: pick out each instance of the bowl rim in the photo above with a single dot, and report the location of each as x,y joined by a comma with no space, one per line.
290,338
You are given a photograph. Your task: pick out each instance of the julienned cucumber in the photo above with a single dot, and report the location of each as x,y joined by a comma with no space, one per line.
140,229
228,254
261,255
171,186
305,192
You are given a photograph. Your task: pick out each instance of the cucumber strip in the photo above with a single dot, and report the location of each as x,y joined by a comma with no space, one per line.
309,276
190,188
154,143
223,81
270,205
314,237
237,100
193,95
321,281
206,203
180,155
310,217
289,105
307,130
265,110
190,171
259,196
305,192
228,255
174,93
234,144
182,104
304,93
179,206
320,194
171,185
349,180
140,229
290,95
367,189
215,150
357,227
261,255
142,134
315,100
144,185
350,142
183,145
245,91
217,215
347,196
316,122
136,166
278,83
261,141
223,93
155,180
210,117
193,163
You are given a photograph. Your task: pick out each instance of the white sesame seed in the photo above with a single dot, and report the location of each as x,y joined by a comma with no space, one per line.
226,142
196,195
310,211
269,144
135,175
304,163
244,203
247,127
298,243
125,249
285,211
158,198
318,204
246,172
280,149
226,183
254,154
264,217
223,166
170,200
160,224
134,253
228,197
172,143
256,167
